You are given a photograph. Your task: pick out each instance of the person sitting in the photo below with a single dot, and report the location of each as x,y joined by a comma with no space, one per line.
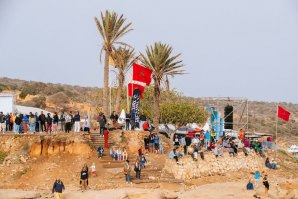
172,155
146,126
249,186
200,151
270,165
124,154
100,151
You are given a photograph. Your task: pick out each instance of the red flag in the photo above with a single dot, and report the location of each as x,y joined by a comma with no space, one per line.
132,87
141,74
283,113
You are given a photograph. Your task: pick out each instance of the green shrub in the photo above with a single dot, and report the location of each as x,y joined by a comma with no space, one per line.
2,156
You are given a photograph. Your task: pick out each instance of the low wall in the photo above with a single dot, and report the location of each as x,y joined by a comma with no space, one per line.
188,169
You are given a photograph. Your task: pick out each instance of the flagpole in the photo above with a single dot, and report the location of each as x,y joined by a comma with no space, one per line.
276,124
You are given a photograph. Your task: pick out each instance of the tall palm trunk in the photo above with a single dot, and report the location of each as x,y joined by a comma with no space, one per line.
119,92
106,84
156,104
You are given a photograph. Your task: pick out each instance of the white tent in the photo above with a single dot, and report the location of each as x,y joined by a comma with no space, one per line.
122,117
27,110
293,149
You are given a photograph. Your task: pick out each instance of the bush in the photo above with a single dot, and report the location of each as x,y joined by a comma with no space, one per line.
2,156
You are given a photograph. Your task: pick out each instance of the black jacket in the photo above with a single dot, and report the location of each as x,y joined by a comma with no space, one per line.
187,141
77,118
42,118
18,120
58,186
84,175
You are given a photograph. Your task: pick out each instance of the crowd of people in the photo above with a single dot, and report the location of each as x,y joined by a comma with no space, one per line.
32,123
202,142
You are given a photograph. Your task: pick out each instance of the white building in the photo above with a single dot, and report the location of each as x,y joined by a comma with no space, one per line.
7,103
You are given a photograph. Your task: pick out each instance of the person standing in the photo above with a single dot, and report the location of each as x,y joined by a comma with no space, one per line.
49,120
77,120
84,178
57,189
18,122
266,184
102,123
127,171
143,119
7,120
106,138
37,123
62,120
156,143
55,122
207,139
32,122
42,119
67,123
138,168
2,123
151,142
11,121
127,121
25,123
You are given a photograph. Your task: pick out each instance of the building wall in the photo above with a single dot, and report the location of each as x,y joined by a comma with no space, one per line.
7,103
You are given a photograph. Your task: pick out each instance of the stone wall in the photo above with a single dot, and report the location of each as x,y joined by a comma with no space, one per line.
188,169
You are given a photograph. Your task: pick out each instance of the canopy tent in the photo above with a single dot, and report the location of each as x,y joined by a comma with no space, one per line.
122,117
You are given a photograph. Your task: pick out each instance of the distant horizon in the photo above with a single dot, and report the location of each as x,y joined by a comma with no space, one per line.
229,48
59,83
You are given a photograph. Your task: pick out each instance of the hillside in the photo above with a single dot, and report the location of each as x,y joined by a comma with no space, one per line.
62,97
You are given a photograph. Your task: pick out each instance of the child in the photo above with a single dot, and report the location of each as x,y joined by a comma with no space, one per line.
124,154
249,186
257,178
143,161
93,169
161,148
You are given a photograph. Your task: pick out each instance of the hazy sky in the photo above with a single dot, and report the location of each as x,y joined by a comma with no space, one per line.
246,48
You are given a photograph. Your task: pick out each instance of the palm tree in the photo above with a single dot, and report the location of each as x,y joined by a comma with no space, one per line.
111,28
123,59
160,60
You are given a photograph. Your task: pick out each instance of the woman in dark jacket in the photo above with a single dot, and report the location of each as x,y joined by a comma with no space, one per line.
84,178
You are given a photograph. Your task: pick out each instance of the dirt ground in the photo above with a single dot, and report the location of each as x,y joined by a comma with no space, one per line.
37,175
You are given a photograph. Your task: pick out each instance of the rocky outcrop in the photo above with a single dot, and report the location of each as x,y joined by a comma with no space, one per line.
52,145
188,169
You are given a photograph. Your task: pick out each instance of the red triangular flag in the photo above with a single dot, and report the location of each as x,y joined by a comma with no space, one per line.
141,74
131,87
283,113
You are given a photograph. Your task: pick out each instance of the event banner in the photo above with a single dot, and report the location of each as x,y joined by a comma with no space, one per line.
135,106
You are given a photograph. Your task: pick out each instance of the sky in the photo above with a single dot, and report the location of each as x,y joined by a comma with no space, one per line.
232,48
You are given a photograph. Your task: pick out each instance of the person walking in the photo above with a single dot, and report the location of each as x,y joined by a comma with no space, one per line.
257,178
84,178
266,184
57,189
138,168
106,138
77,120
127,171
